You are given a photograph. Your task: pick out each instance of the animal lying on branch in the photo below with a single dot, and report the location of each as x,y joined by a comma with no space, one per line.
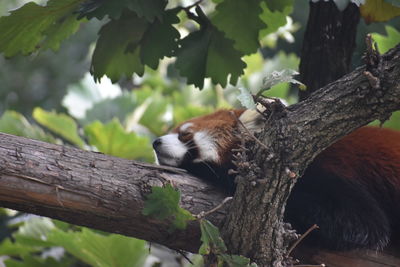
351,190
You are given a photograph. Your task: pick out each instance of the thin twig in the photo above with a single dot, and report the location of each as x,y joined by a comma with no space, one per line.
203,214
182,253
301,239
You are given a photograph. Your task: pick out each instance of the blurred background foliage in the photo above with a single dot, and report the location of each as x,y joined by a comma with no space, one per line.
51,97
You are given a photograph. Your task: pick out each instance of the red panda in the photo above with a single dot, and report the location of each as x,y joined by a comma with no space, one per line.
351,190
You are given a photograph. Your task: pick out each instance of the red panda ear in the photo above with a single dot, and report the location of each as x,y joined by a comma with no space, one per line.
252,120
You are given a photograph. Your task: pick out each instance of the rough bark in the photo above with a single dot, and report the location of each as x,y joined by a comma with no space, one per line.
107,193
328,44
293,137
95,190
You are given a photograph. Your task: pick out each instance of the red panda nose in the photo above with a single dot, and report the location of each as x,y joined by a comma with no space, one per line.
157,143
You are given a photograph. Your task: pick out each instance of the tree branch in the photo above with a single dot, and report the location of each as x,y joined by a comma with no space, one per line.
98,191
295,136
107,193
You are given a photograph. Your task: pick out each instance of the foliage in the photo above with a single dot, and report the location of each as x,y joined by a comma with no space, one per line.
163,203
60,124
212,244
38,235
212,50
387,42
220,44
274,78
380,10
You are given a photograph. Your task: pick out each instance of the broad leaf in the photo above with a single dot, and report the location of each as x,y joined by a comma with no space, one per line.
14,123
240,21
378,10
111,56
33,26
279,5
211,239
61,124
246,98
113,140
38,261
101,250
127,44
149,9
207,53
160,39
274,19
276,77
163,203
387,42
235,260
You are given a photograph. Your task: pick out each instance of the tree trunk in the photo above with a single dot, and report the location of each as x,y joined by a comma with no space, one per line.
328,45
107,193
293,137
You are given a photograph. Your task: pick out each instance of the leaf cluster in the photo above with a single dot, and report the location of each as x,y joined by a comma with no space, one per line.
138,33
42,242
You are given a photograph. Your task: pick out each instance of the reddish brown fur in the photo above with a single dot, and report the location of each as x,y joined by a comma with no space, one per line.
370,155
221,125
351,190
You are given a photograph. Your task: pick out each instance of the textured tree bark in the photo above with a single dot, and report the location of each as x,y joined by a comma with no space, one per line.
328,44
98,191
107,193
293,137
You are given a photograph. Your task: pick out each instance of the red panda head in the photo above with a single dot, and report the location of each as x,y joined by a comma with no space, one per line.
206,140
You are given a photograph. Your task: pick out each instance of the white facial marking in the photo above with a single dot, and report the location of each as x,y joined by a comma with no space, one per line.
208,150
185,126
171,151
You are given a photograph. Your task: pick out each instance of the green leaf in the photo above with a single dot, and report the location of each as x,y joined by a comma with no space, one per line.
60,31
378,10
211,239
235,260
7,247
38,261
108,109
278,5
277,77
101,250
393,122
111,56
387,42
163,203
240,21
207,53
31,27
34,232
155,105
127,44
246,99
273,19
160,40
112,139
149,9
14,123
61,124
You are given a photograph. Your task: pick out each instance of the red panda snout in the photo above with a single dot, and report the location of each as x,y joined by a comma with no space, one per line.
185,146
207,139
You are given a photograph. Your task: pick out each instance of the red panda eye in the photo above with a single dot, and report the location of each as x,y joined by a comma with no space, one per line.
184,136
